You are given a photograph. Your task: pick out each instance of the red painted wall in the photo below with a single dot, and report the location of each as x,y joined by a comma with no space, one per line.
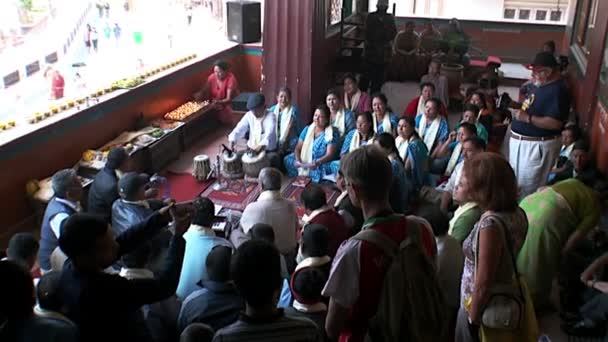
61,145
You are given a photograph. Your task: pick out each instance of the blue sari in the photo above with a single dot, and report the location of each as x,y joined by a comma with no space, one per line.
348,138
319,148
394,122
418,155
442,133
399,192
292,136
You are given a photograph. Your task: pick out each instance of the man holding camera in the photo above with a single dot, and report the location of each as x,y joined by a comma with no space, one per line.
536,128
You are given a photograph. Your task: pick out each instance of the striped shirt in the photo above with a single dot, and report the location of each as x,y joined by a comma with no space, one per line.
279,328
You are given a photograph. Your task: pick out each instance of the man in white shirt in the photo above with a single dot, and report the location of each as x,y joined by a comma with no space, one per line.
260,124
272,209
68,191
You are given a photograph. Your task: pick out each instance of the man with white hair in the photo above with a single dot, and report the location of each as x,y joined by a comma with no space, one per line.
68,192
272,209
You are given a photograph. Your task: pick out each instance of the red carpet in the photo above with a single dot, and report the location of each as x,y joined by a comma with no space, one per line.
237,195
184,187
295,187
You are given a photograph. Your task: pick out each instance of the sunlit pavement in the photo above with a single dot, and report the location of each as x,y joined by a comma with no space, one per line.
166,36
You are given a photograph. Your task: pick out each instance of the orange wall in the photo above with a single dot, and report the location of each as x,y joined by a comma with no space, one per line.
60,145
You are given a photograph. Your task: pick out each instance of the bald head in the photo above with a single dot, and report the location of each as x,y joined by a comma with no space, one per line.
270,179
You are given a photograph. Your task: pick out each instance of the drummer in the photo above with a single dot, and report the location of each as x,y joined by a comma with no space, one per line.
220,89
260,124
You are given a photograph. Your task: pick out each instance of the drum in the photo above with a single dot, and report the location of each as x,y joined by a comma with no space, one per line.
201,168
254,163
232,167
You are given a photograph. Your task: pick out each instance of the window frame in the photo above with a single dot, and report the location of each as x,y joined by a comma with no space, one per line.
529,14
537,11
509,9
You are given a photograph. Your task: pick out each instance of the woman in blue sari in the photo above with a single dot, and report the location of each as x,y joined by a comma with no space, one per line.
341,118
287,119
383,119
414,152
399,193
316,148
356,138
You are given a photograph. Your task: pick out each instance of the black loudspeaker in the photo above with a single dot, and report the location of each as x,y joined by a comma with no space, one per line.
244,21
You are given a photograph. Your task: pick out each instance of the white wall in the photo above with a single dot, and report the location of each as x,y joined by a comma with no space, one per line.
473,9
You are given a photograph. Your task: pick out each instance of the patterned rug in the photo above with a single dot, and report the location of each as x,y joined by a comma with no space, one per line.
236,195
183,187
294,189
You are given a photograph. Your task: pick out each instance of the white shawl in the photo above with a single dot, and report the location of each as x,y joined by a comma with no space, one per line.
355,142
402,145
256,133
286,116
429,135
453,159
386,123
307,145
340,122
354,103
421,106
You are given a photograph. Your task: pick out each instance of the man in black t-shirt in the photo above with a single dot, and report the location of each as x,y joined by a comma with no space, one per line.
534,140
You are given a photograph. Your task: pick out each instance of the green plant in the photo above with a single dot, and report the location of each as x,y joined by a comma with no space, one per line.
27,4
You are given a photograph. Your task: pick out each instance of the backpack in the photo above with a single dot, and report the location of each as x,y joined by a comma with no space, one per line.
412,305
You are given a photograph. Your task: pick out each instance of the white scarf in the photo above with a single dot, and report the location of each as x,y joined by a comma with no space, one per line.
315,213
567,150
269,195
459,212
354,103
256,133
355,142
340,198
318,307
313,262
340,122
386,123
307,145
421,106
402,145
429,135
136,273
285,122
453,159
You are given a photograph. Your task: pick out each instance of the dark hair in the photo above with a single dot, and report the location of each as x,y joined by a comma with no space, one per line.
116,157
367,168
197,332
412,122
47,291
468,127
575,130
218,263
476,141
307,285
486,173
436,101
427,84
581,145
221,64
204,212
139,257
79,234
382,98
285,90
315,240
16,291
436,218
22,246
551,45
256,271
62,181
333,92
262,231
350,76
387,141
367,115
313,197
325,110
482,97
469,107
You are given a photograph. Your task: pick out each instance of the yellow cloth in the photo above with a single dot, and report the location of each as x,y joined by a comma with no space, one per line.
453,159
386,123
354,102
428,135
307,145
285,122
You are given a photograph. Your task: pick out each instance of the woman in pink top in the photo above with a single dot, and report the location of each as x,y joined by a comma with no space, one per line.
354,99
220,89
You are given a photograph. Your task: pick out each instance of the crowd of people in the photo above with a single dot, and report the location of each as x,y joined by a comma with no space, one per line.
434,237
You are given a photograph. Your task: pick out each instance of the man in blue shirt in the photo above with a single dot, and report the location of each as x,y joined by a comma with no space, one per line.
536,128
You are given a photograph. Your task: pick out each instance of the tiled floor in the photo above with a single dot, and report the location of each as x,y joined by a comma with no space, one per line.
399,94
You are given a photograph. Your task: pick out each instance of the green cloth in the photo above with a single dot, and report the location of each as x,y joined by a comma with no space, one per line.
554,213
462,226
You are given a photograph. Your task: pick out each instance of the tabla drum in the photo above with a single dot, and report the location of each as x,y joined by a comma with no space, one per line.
201,168
232,167
254,163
